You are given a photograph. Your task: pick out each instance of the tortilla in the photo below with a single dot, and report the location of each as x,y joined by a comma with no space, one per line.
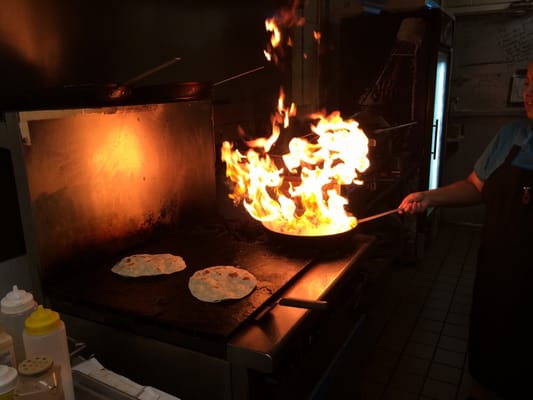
149,264
223,282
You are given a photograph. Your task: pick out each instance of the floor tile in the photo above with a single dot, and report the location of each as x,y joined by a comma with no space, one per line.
425,337
439,390
420,350
452,344
430,325
403,382
458,319
439,304
462,299
466,290
442,294
394,394
449,358
448,279
466,281
413,365
444,286
445,373
434,314
460,308
457,331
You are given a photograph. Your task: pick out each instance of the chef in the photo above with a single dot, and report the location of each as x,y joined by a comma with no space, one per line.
500,348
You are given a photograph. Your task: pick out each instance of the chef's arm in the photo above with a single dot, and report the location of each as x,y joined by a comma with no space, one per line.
461,193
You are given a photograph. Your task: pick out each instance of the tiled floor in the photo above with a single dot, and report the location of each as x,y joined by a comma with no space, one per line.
417,331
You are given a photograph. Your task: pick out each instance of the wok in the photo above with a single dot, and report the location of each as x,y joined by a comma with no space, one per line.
321,242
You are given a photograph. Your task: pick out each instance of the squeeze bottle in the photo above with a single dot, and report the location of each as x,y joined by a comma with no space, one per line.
15,307
45,335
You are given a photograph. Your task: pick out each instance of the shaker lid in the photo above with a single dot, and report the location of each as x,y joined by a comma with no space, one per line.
41,321
8,378
35,366
16,301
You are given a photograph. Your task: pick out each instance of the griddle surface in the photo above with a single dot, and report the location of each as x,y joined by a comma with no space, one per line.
166,300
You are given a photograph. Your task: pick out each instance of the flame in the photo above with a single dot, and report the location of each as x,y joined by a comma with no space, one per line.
277,26
302,196
275,39
298,192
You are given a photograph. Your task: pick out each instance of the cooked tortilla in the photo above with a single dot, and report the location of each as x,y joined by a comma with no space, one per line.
149,264
223,282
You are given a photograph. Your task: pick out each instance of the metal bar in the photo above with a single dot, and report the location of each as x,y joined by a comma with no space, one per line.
238,75
151,71
375,216
381,130
303,303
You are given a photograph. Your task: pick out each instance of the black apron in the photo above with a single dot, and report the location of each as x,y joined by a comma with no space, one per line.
501,338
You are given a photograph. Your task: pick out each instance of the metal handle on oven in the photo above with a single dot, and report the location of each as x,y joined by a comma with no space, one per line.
436,126
302,303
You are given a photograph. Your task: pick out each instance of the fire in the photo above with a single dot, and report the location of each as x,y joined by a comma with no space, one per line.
275,38
300,192
277,26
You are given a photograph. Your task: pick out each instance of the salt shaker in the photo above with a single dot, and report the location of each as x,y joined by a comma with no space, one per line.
39,379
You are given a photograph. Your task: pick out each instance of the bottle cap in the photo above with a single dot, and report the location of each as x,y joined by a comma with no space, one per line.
41,321
35,366
8,378
16,301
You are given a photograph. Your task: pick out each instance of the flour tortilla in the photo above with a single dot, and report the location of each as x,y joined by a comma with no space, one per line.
149,264
223,282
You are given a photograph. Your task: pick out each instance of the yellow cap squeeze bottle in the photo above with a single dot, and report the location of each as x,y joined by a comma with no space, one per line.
45,335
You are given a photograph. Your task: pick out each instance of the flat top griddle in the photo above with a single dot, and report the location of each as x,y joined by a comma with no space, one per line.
166,299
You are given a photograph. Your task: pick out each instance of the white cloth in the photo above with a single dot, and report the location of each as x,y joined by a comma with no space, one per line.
95,370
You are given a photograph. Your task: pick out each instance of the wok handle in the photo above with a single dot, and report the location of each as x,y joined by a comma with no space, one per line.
302,303
151,71
383,214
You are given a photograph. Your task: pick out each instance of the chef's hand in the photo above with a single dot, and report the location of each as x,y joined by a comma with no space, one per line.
414,203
